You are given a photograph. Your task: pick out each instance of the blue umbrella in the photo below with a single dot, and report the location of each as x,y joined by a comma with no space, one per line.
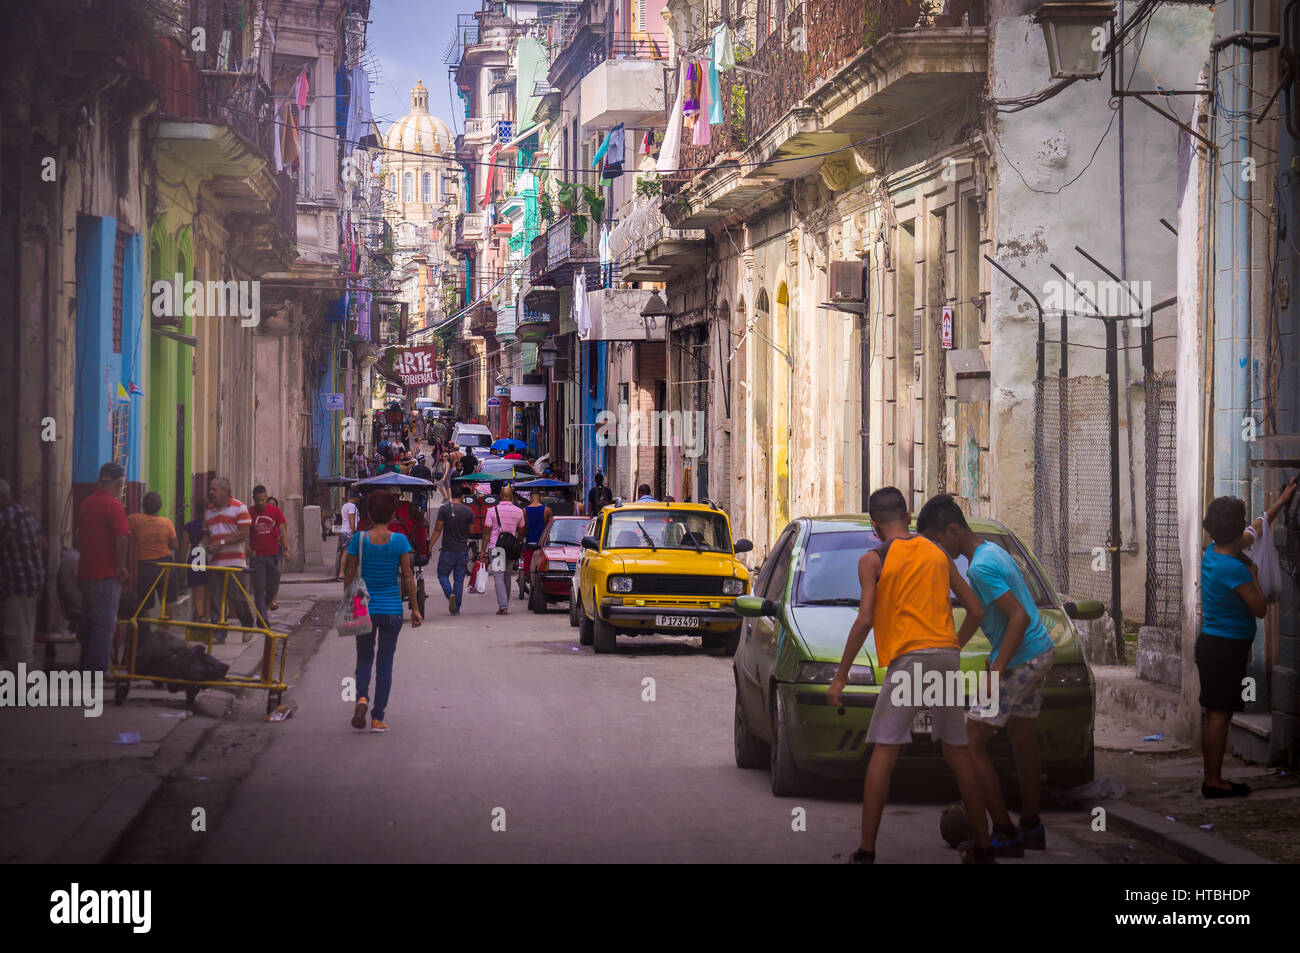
393,479
507,444
543,484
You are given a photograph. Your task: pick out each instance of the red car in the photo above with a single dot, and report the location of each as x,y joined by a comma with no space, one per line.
559,550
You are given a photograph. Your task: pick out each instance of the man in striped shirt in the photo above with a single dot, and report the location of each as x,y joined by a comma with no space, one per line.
228,523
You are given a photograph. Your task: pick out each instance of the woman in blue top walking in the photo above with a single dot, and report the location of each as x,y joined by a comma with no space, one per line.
537,516
1231,601
384,558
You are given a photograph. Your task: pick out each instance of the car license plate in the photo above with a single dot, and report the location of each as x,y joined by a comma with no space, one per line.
923,722
678,621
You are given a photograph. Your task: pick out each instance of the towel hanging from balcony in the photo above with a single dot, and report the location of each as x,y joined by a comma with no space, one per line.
692,104
700,134
667,161
724,53
716,118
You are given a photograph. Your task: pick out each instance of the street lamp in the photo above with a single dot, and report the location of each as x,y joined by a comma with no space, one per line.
1076,37
548,352
653,310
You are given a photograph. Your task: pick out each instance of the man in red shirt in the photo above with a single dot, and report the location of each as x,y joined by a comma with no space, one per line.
102,534
264,536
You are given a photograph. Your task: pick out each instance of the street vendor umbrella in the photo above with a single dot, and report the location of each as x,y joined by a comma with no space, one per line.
393,479
543,484
509,443
481,478
514,456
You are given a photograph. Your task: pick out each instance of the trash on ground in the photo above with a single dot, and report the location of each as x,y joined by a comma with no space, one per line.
1207,827
1102,786
127,738
1159,736
1168,818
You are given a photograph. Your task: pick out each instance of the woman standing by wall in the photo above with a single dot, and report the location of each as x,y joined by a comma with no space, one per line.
1231,601
384,558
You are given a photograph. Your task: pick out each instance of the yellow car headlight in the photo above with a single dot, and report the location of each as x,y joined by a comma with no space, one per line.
620,583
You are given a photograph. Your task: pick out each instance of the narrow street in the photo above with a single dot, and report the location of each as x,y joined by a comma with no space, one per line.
509,712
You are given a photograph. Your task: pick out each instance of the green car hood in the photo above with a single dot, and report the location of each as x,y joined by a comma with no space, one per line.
820,633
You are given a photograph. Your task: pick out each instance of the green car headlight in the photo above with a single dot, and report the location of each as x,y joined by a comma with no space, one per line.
1069,675
620,583
733,587
823,673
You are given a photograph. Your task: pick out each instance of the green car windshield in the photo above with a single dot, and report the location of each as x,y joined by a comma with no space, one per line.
827,573
665,529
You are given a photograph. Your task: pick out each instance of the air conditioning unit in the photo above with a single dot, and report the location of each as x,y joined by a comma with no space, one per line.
846,281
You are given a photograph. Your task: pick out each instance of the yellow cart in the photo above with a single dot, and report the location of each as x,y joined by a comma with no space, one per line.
274,643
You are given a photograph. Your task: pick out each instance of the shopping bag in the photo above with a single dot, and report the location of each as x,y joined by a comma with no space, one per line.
480,577
1263,554
353,617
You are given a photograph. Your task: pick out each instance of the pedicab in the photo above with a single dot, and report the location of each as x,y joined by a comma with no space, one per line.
408,519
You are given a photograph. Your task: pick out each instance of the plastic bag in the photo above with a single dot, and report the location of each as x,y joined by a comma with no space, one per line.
480,577
1263,554
353,617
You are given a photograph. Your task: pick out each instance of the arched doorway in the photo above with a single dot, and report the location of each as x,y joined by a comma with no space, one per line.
761,440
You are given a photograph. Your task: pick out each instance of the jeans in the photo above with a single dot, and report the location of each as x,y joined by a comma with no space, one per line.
266,582
236,604
19,623
386,627
452,566
338,557
99,599
147,572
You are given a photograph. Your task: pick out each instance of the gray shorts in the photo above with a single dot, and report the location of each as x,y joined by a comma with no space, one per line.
891,723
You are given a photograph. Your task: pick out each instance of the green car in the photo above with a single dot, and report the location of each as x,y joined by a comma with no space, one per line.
796,623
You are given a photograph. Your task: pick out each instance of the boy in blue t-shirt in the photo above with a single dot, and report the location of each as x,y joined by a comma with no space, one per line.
1021,653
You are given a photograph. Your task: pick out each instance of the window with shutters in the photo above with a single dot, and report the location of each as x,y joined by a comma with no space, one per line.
426,189
408,187
640,15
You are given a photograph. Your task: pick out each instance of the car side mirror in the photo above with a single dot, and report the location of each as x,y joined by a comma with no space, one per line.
1085,609
754,607
743,546
592,543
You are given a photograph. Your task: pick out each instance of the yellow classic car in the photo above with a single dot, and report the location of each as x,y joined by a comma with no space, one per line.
659,567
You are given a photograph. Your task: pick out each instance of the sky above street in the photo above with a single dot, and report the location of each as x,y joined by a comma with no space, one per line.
407,40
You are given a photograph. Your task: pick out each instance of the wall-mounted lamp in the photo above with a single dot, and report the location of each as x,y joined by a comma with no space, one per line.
1077,36
654,310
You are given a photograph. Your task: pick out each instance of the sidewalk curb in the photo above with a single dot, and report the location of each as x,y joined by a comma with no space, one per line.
1194,845
306,582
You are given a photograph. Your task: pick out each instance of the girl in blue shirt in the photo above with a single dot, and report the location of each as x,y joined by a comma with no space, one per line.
1231,601
385,561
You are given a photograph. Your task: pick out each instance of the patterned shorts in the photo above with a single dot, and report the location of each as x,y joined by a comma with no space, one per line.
1020,692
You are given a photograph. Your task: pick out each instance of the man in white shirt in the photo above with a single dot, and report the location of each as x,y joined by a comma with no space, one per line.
228,522
350,514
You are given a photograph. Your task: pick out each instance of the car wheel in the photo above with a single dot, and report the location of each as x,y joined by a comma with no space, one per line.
751,751
732,642
787,778
604,636
711,642
537,598
586,635
573,612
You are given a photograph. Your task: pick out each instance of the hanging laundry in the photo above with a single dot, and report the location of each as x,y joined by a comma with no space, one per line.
692,104
724,53
615,152
668,155
716,117
648,142
359,116
276,135
301,90
342,100
700,135
290,135
600,153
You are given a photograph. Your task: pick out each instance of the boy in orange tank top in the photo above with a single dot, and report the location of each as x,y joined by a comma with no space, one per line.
905,585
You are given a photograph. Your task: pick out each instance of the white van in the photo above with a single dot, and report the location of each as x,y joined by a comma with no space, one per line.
474,436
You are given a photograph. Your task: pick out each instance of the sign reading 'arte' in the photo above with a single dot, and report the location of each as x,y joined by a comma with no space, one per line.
417,365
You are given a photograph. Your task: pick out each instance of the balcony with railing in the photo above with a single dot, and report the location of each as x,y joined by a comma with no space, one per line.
556,254
469,230
833,72
646,248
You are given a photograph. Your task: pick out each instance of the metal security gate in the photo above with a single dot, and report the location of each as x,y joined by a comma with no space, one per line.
1164,588
1071,484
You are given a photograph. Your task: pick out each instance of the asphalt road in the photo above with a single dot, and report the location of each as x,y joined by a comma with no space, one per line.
504,722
